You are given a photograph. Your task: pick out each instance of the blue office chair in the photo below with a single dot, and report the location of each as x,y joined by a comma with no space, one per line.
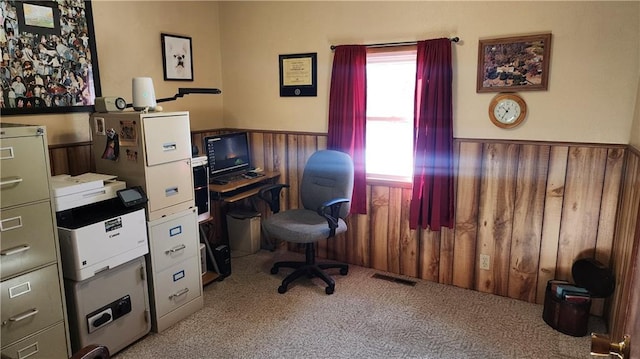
325,192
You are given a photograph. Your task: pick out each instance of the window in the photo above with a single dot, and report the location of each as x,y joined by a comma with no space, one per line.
391,76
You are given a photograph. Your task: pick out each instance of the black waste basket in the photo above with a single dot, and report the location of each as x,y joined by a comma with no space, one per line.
572,317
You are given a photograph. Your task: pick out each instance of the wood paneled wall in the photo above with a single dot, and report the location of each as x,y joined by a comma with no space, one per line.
624,315
72,159
532,207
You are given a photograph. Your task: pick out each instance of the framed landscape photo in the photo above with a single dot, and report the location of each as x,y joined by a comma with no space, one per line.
298,75
518,63
49,61
177,60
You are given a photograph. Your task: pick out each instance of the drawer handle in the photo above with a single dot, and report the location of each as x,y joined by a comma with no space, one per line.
22,316
5,224
28,351
178,294
15,250
10,154
171,191
175,249
171,146
11,181
101,270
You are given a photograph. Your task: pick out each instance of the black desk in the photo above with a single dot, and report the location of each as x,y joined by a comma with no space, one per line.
214,230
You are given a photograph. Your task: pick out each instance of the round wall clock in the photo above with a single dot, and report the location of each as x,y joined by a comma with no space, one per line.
507,110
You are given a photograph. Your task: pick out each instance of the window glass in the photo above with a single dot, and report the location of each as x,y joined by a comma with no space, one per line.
390,95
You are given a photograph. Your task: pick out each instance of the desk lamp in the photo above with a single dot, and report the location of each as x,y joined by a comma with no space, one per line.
144,96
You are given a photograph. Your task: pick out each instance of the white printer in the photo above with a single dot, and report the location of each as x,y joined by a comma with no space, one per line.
96,231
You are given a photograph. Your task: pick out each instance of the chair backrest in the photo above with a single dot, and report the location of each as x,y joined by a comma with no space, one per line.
327,175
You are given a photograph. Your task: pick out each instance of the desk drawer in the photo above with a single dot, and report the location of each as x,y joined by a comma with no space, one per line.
172,239
27,238
30,303
177,285
24,177
51,343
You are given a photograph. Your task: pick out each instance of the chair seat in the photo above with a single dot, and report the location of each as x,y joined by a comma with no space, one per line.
300,226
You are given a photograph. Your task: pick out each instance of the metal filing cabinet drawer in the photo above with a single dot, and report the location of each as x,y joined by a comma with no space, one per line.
23,175
172,239
169,184
177,285
167,138
30,302
43,345
28,239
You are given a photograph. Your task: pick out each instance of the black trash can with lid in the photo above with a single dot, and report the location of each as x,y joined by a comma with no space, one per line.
569,314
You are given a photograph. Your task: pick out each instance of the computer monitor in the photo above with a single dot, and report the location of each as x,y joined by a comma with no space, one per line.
227,153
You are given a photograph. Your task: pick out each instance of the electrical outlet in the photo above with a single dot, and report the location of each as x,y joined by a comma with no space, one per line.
485,261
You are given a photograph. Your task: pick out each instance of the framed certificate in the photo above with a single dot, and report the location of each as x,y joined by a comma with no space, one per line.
298,75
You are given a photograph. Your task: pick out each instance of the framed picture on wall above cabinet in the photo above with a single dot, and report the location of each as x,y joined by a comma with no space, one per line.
49,59
177,60
518,63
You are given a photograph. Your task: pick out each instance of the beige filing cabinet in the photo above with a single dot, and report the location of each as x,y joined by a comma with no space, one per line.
153,151
34,322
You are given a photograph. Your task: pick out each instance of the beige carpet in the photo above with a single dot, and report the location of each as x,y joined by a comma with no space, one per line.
245,317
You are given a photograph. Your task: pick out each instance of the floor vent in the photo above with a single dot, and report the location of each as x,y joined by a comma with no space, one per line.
394,279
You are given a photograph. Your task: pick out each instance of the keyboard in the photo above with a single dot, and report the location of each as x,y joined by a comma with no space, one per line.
224,179
232,177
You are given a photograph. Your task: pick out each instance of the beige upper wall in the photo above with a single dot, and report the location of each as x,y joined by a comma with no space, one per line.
593,88
593,77
128,45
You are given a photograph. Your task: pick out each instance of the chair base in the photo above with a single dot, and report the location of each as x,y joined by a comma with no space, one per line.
309,268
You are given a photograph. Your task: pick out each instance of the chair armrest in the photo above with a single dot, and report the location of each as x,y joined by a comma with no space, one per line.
330,210
271,195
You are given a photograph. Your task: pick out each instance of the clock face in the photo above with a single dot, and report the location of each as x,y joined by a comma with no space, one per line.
507,110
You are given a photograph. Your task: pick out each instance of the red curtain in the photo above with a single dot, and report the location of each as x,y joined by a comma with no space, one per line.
348,114
433,192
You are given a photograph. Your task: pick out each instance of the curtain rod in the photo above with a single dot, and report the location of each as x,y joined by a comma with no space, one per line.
391,44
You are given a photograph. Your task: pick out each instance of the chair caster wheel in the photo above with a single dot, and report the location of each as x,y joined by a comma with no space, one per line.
344,271
274,270
329,290
282,289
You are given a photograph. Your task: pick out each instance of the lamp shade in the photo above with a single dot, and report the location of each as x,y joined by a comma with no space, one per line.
143,94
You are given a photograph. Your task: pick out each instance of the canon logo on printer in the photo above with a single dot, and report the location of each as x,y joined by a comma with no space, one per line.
113,224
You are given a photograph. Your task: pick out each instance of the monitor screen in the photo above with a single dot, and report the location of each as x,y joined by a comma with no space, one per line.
227,153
